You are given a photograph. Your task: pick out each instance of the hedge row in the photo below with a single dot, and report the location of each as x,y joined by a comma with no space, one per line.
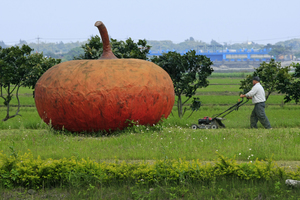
24,170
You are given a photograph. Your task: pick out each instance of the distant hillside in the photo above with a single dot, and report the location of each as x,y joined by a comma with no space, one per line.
198,45
56,48
67,51
294,43
169,45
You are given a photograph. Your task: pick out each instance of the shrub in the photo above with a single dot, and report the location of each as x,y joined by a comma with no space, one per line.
25,171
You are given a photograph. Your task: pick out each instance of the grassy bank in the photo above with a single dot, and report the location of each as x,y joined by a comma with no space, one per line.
214,189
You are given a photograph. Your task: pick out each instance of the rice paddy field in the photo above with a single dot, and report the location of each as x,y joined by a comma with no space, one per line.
171,139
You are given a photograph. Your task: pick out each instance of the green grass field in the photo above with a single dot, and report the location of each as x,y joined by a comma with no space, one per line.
173,142
172,139
283,117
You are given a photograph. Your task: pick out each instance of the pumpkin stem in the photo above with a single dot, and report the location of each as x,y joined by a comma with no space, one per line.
107,53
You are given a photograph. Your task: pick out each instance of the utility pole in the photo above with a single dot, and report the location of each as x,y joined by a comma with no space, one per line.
38,38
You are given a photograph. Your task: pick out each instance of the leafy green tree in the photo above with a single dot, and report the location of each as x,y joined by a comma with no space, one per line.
18,68
188,73
274,78
38,64
130,49
292,90
297,70
122,49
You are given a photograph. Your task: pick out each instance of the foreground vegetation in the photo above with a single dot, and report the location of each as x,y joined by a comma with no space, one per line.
162,179
231,188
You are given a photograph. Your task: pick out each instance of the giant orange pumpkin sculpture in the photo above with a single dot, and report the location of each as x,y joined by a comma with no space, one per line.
93,95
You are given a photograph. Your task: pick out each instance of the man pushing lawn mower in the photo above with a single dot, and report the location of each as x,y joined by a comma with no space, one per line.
257,94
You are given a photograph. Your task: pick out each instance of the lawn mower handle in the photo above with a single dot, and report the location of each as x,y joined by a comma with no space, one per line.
232,108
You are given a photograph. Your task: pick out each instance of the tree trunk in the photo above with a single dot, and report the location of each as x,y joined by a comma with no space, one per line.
7,105
179,106
8,102
268,95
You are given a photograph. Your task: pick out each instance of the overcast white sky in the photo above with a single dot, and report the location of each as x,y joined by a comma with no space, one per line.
261,21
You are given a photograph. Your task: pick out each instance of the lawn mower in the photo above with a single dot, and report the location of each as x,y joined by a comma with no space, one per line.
216,121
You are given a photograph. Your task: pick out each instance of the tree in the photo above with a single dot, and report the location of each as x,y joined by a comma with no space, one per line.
2,44
292,90
38,64
18,68
274,78
129,49
188,73
72,53
297,70
214,42
122,49
277,50
297,54
21,42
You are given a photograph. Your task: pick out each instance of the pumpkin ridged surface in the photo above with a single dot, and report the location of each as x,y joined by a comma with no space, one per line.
92,95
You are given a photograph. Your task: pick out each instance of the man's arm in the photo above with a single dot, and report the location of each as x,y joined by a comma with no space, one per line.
252,92
242,96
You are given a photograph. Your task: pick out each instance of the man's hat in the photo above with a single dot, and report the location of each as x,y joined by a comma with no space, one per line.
256,78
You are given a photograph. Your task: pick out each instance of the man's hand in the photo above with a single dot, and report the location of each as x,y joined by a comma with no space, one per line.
242,95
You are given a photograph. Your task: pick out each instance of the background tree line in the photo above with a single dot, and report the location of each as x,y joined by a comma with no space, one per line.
67,51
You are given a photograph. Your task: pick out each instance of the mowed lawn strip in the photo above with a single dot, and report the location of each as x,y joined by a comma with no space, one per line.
171,143
233,99
280,117
232,81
